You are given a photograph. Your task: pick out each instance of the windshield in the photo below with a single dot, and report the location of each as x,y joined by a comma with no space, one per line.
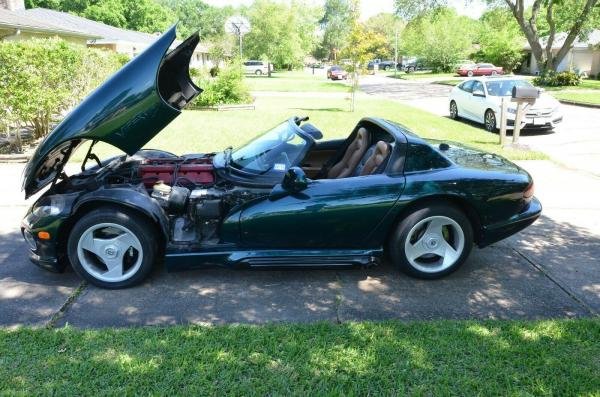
504,87
274,151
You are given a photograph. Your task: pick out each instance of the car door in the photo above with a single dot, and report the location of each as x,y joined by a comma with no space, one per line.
478,102
464,98
485,69
329,213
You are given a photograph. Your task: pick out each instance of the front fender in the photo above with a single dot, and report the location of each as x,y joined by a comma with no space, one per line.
134,198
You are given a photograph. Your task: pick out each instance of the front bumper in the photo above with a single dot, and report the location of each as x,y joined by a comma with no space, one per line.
537,122
44,254
514,224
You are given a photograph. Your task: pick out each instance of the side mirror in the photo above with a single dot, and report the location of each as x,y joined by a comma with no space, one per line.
295,180
479,93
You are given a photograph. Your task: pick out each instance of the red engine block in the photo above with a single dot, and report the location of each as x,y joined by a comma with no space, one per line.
198,171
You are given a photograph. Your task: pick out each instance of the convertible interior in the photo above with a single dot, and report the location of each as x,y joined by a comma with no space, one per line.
365,152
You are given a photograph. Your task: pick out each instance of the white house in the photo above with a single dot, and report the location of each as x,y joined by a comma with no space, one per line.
583,57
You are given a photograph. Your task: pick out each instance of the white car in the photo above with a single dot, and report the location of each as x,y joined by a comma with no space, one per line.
256,67
479,99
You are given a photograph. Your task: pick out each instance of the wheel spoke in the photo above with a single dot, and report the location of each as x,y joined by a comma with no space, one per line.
447,252
435,226
115,266
416,250
124,241
94,245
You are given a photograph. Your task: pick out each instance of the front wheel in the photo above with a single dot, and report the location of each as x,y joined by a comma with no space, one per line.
453,110
470,73
112,248
490,121
386,68
433,241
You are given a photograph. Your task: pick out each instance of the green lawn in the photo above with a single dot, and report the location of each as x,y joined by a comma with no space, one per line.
592,98
586,84
552,358
196,131
301,81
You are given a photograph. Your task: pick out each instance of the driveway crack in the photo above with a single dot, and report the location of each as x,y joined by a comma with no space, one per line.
339,298
66,306
573,295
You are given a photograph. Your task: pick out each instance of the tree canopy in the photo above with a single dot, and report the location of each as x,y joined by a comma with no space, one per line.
339,18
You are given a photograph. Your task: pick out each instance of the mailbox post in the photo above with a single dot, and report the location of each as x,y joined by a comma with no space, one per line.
522,96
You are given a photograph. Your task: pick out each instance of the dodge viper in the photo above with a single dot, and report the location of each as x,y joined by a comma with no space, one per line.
287,198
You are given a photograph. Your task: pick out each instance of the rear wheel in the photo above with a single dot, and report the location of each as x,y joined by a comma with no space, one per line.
432,241
112,248
258,72
386,68
453,111
490,120
494,73
470,73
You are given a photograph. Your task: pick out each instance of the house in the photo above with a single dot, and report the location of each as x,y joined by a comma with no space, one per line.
16,22
583,57
14,26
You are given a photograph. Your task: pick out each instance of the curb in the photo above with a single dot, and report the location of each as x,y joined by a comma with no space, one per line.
14,158
582,104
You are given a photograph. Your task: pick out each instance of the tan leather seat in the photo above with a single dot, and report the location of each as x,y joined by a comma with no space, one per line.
354,153
381,152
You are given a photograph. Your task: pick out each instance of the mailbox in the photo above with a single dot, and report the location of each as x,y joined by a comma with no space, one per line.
526,94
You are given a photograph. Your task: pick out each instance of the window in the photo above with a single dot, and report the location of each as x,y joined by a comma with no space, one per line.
467,86
478,86
422,157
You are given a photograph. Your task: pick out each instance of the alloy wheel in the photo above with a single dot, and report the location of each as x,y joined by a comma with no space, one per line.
490,121
110,252
434,244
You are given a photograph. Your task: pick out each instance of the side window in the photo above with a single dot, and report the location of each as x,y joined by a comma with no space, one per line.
467,86
423,158
478,86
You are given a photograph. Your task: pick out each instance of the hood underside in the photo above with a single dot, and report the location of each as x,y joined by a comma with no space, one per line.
126,111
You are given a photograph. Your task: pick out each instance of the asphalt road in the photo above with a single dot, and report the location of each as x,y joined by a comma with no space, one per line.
575,143
548,271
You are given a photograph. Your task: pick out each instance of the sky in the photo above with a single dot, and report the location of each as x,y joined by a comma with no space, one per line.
371,7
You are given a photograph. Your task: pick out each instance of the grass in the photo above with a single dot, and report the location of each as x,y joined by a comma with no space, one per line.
589,98
585,84
203,131
553,357
299,81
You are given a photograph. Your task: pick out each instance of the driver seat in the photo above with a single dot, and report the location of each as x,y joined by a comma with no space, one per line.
354,152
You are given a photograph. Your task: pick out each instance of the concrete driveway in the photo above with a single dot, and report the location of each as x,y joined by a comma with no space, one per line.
550,270
575,143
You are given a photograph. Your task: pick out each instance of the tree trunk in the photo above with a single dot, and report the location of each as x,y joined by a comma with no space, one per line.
544,56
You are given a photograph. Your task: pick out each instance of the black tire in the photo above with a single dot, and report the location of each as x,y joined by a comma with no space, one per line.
397,241
454,111
386,68
140,226
258,72
489,120
470,73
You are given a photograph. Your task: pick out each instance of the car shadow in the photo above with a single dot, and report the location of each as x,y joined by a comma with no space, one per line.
524,132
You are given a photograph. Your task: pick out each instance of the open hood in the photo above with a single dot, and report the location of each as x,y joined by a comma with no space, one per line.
126,111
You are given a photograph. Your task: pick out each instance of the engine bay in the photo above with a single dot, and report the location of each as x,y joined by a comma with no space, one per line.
192,195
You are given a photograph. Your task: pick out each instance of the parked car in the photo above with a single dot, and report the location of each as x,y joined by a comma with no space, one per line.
372,67
479,69
383,65
336,72
256,67
410,65
479,99
285,199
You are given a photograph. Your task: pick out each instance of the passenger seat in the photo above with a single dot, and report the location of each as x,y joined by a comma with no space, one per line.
355,151
377,158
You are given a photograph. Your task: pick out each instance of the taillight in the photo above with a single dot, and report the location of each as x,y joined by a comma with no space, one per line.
528,193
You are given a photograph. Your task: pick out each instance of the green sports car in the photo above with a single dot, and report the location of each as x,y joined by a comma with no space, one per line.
287,198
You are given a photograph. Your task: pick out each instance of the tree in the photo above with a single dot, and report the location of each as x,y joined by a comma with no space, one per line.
362,45
142,15
570,16
196,15
388,25
338,20
440,37
500,39
281,33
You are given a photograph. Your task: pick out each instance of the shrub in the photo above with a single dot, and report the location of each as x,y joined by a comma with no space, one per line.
227,87
39,79
554,79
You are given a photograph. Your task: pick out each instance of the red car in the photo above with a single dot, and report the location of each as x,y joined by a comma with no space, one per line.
479,69
337,73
